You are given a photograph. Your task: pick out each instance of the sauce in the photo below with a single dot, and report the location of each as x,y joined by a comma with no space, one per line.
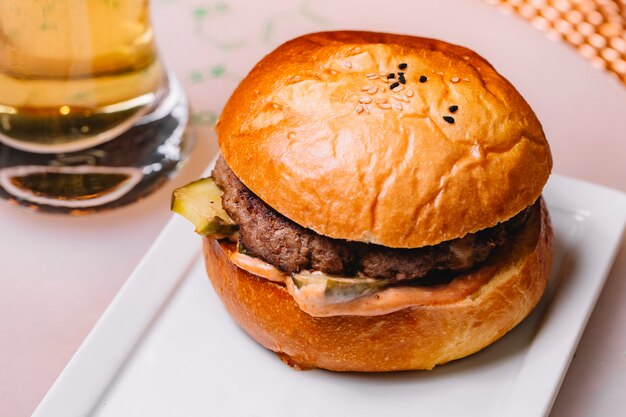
257,267
313,299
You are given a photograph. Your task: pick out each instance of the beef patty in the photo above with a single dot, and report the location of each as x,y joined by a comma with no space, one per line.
270,236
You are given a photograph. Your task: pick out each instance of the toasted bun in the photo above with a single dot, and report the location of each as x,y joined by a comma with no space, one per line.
318,135
419,337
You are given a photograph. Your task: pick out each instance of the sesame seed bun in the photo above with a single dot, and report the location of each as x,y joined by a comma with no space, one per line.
417,337
317,132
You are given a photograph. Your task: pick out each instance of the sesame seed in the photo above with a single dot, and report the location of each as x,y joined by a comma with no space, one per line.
423,79
409,93
398,106
400,73
276,106
348,64
449,119
394,85
359,108
402,79
403,97
391,75
385,105
453,108
455,79
365,100
382,73
373,90
366,108
366,87
398,89
402,65
370,75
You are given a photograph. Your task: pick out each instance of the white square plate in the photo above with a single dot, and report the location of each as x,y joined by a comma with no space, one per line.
166,347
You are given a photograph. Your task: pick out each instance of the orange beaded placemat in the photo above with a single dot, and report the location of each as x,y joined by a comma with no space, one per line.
597,29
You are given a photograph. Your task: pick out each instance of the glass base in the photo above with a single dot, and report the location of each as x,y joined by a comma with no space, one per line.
112,174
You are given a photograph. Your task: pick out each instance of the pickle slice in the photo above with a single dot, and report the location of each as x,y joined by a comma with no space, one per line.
242,250
200,202
338,289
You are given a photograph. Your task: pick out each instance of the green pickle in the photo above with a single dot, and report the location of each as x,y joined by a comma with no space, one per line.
200,202
243,250
339,289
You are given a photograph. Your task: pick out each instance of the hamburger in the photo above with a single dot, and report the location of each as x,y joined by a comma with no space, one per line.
377,203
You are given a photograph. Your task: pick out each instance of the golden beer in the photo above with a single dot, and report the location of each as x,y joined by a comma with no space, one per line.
74,73
89,118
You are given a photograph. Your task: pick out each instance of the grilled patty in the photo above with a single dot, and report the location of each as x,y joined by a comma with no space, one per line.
270,236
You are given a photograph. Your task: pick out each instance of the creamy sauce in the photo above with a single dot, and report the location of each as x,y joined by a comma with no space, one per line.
257,267
313,300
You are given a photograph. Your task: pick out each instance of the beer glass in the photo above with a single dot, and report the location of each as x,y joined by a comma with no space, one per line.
89,117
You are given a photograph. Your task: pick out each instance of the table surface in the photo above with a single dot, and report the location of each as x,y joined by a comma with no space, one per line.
58,274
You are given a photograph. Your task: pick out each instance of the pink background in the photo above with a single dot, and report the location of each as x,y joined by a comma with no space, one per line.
58,274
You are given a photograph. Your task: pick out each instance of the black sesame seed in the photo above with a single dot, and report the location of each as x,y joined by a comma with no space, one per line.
423,79
453,108
400,73
394,85
390,76
402,79
448,119
402,66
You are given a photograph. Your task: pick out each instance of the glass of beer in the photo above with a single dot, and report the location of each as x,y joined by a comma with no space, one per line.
89,117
